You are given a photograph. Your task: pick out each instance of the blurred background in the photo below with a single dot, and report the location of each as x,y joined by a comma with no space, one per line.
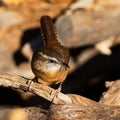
89,28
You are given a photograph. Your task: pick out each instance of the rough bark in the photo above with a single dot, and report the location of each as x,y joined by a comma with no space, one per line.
71,106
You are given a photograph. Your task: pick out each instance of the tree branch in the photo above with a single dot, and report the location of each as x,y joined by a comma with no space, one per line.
77,107
23,83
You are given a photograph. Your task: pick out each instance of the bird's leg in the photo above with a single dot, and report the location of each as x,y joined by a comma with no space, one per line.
57,92
29,84
35,80
30,81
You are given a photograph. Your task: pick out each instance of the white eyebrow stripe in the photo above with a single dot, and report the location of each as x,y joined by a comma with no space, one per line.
45,56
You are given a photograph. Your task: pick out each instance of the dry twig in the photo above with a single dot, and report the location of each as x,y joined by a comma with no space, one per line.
35,88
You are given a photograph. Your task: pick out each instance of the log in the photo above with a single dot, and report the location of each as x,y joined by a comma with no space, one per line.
87,27
64,112
111,97
25,84
70,106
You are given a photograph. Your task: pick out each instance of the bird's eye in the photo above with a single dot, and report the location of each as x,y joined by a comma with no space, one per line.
51,61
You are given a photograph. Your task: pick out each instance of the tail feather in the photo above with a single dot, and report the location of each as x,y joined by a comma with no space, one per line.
49,31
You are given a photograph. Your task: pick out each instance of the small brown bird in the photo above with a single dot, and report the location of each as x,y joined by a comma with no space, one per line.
50,62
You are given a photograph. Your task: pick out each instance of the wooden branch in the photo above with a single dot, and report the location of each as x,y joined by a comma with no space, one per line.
66,112
77,107
35,88
82,112
112,96
46,92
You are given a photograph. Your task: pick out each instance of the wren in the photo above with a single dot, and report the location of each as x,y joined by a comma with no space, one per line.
50,62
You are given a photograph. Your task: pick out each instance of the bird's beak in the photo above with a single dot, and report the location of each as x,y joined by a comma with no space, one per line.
66,65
